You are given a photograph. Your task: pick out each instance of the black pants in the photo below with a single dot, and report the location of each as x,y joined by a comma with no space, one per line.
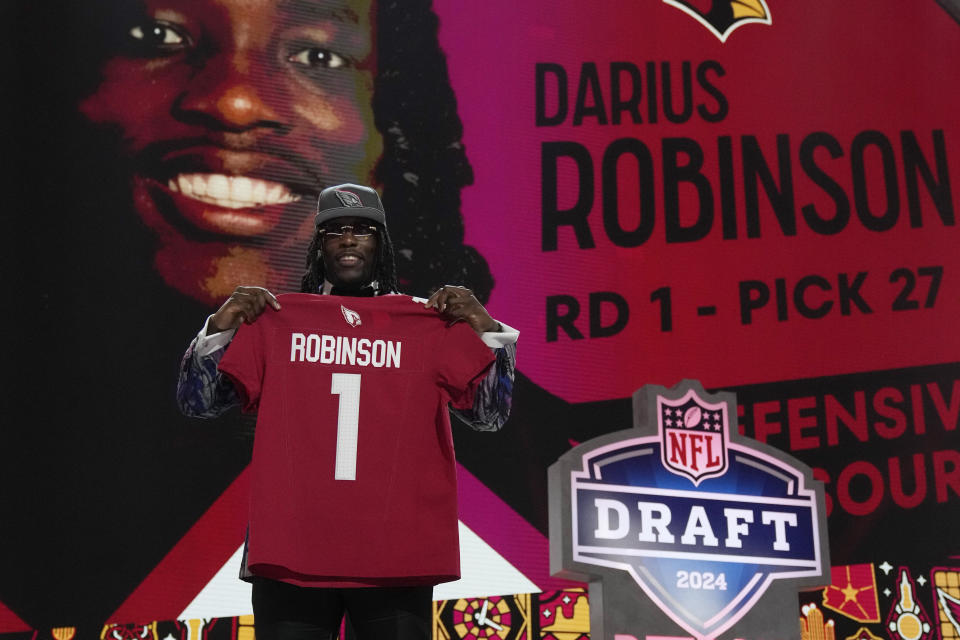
284,611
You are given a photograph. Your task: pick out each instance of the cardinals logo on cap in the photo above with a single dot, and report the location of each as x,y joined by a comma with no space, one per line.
722,17
348,199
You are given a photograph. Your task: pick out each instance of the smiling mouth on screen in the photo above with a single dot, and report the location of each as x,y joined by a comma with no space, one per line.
227,204
231,192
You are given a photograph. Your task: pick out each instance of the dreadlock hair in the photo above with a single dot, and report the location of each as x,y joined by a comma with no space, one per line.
385,273
424,165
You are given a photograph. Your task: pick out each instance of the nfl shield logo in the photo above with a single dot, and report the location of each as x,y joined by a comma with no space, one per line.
694,435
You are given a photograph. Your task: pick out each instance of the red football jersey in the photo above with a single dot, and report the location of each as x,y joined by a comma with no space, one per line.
353,472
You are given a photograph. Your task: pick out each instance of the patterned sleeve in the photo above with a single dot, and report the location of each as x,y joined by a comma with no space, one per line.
491,403
202,391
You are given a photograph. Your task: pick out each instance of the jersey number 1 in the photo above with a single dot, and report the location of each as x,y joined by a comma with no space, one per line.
347,386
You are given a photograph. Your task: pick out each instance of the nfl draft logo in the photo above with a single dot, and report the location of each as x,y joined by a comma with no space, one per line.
684,527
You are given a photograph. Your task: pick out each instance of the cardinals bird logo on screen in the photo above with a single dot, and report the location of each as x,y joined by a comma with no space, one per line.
722,17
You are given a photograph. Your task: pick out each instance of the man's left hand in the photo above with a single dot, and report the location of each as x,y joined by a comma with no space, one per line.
459,303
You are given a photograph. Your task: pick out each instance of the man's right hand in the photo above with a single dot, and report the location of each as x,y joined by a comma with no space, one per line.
245,304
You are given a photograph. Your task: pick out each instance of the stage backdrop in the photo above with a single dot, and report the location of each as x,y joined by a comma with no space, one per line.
758,194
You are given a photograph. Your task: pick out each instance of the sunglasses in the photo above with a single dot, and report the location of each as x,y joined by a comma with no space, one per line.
357,230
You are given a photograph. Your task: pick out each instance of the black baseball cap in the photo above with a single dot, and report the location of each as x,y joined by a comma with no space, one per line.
349,200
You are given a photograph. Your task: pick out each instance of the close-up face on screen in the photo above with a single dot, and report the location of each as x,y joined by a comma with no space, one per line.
758,195
230,117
